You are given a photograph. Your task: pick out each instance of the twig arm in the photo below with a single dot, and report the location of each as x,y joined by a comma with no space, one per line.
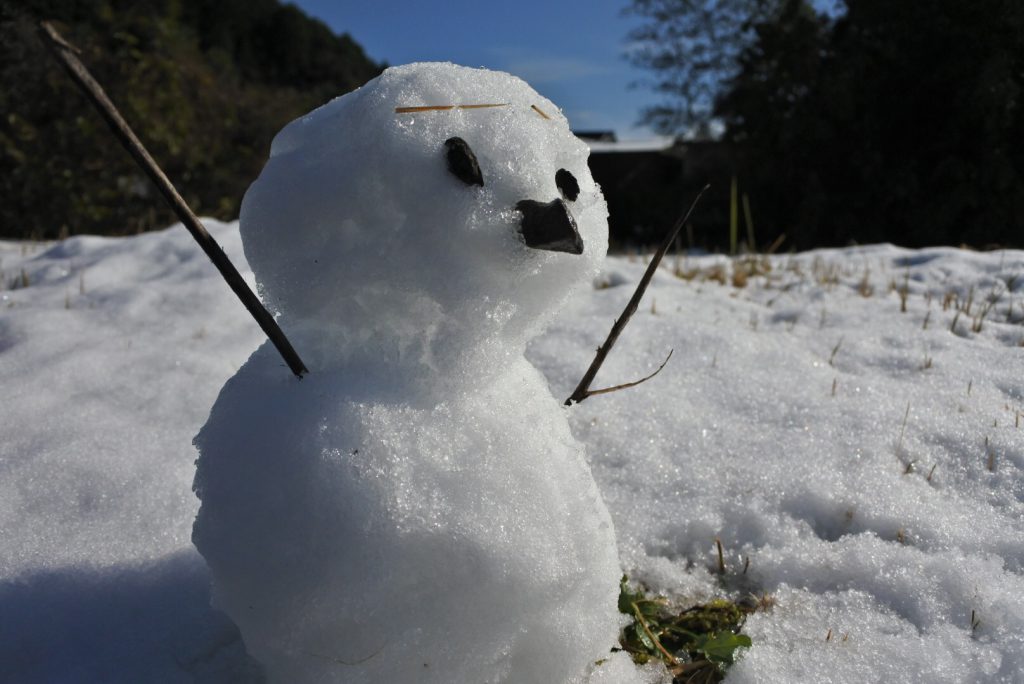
583,390
65,53
627,385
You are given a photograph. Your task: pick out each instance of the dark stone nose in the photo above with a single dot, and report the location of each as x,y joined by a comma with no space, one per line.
549,226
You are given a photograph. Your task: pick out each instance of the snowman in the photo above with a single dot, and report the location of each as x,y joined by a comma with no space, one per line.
415,509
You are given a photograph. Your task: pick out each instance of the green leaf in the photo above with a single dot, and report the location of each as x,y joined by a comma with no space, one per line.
649,608
637,638
646,640
623,595
721,647
627,598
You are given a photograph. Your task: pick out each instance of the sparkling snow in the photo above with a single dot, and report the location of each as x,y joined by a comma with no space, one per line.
416,509
877,539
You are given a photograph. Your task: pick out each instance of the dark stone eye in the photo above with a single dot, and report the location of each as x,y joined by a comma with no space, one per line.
462,162
567,185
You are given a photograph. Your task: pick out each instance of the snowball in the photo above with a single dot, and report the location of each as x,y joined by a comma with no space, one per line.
415,509
377,257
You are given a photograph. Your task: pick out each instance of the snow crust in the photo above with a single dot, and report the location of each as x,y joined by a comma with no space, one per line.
111,357
113,353
781,431
416,509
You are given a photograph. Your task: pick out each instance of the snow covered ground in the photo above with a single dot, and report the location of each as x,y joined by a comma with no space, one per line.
862,465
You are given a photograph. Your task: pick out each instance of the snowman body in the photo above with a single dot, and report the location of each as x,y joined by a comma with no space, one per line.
415,509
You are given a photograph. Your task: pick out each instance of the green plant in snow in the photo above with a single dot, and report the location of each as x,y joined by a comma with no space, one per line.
697,644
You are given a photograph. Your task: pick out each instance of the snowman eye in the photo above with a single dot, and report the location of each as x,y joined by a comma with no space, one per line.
567,185
462,162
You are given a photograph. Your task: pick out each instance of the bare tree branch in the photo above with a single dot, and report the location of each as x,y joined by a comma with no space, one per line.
65,53
583,390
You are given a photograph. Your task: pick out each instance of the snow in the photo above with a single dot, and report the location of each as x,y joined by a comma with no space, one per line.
741,438
376,256
658,144
116,349
417,509
112,357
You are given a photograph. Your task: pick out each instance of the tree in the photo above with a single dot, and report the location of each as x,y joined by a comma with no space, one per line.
206,84
892,121
764,108
938,88
693,48
898,122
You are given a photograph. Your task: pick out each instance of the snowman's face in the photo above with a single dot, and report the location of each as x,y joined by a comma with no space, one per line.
543,225
437,200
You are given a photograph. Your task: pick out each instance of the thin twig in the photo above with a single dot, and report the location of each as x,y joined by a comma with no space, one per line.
683,668
65,53
776,244
721,556
582,390
903,429
352,663
657,642
627,385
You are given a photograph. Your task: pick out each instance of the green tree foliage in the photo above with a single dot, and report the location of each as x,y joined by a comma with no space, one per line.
899,121
206,85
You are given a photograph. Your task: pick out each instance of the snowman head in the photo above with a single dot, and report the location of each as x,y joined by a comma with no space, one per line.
427,221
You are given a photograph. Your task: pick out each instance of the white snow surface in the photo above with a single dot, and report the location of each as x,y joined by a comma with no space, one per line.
116,349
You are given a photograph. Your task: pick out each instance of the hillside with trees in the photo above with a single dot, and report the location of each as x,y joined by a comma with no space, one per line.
206,83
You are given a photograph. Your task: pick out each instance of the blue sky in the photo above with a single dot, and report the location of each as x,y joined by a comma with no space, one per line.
571,52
